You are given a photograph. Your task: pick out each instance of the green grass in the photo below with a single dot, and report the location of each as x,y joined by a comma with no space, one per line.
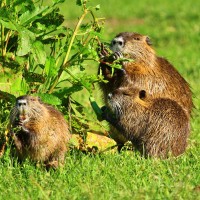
174,29
107,176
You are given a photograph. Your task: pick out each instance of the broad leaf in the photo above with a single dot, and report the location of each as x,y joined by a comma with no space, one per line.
29,16
38,52
11,83
58,1
31,77
7,96
8,25
26,39
50,67
52,33
50,99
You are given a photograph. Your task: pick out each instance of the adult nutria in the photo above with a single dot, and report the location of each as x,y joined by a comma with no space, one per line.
39,131
147,71
158,127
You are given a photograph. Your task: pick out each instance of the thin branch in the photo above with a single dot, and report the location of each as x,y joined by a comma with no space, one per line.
73,37
2,40
66,60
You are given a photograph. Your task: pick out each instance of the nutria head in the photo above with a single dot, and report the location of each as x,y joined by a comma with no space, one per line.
26,107
134,46
124,99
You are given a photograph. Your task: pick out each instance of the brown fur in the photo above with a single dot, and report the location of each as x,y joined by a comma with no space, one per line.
40,132
153,74
157,127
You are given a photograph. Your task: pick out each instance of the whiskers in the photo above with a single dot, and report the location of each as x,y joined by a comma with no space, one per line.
36,112
14,111
24,115
13,114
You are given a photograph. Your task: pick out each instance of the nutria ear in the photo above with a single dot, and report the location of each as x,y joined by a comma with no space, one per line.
142,94
148,41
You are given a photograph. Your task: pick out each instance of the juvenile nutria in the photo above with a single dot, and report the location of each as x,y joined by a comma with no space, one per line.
157,127
40,132
153,74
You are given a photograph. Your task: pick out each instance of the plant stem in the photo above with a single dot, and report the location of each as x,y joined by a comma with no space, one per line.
64,65
3,3
73,37
7,40
2,40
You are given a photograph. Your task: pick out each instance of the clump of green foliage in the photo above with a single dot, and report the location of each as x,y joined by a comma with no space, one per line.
40,56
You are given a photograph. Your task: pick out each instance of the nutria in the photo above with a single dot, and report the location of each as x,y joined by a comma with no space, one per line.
39,131
148,71
157,127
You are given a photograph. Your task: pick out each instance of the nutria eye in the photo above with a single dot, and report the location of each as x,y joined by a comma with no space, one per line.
137,38
113,42
142,94
120,43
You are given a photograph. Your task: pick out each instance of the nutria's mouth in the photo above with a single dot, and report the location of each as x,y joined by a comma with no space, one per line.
22,117
115,108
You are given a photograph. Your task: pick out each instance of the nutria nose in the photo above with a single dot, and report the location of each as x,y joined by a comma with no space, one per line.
110,95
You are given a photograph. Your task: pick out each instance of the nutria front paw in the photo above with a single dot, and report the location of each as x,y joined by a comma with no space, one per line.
102,52
117,55
18,122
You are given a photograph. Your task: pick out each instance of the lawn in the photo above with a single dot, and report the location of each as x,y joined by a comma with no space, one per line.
174,28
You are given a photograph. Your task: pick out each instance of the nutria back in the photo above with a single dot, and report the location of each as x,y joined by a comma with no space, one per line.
40,132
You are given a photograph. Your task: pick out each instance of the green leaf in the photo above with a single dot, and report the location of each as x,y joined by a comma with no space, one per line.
26,39
77,109
53,33
58,1
87,85
33,77
67,91
50,68
95,33
7,96
17,87
79,2
8,25
39,53
96,108
40,26
50,99
5,14
28,16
